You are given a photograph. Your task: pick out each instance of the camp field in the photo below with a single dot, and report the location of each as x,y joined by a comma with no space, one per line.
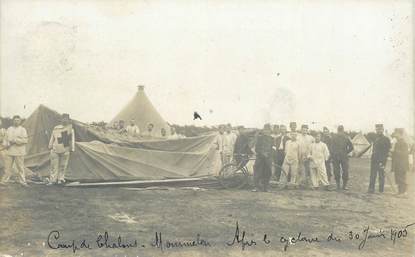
28,215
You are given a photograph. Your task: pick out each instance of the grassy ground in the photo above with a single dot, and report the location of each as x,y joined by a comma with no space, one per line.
28,215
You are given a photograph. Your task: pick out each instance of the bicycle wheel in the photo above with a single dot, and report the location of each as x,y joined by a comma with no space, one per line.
232,175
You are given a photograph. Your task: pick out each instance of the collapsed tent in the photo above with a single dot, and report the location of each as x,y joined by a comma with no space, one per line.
362,147
106,156
143,112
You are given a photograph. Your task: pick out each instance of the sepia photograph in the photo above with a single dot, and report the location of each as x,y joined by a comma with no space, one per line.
144,128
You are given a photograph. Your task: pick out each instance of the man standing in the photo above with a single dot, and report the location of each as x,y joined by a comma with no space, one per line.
319,154
219,141
400,160
61,144
381,148
326,138
229,143
280,144
341,146
291,161
305,141
132,129
15,143
242,150
263,161
293,127
149,132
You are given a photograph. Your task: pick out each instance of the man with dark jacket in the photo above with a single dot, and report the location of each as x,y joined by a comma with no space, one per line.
400,160
341,146
242,149
326,138
263,161
280,143
380,152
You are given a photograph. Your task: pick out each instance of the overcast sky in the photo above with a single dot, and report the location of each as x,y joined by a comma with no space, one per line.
243,62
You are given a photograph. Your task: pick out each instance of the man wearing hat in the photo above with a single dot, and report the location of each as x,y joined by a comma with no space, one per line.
305,141
400,160
293,127
341,146
15,142
263,161
381,148
61,144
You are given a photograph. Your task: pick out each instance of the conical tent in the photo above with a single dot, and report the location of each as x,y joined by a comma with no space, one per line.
362,147
143,112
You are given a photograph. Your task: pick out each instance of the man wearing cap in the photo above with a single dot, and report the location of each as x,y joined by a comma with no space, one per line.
381,148
293,127
305,141
326,138
242,149
341,146
400,160
280,143
61,144
15,144
263,161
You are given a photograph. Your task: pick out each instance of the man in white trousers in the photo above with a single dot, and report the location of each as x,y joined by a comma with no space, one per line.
319,154
61,144
290,166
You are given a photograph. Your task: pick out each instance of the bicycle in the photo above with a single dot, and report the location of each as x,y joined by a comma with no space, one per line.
235,175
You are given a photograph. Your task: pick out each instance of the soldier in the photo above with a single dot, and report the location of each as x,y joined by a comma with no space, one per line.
341,146
319,154
400,160
263,161
305,141
326,138
381,148
15,143
242,150
291,161
132,129
280,143
61,144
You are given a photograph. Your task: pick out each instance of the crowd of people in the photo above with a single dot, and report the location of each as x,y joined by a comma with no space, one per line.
298,159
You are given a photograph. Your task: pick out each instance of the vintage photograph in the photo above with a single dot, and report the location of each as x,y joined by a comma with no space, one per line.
144,128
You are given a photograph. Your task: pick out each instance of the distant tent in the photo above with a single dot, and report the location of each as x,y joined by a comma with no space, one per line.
362,147
143,112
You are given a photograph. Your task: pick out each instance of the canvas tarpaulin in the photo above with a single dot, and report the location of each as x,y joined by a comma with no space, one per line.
116,157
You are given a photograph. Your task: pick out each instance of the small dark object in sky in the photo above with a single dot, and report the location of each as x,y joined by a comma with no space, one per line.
278,74
196,116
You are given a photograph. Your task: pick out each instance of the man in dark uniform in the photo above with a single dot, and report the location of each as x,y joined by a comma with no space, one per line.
341,146
280,142
263,161
326,138
400,160
380,152
242,149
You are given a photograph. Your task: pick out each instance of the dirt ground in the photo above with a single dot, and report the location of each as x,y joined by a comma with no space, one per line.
29,215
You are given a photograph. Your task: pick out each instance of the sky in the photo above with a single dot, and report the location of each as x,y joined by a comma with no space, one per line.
245,62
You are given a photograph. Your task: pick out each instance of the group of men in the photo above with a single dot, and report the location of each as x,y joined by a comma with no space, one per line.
132,130
13,150
300,160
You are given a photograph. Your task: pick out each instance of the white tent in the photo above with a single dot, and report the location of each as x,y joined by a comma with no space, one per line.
362,147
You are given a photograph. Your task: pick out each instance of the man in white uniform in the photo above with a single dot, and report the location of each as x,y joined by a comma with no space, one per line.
305,141
132,129
319,154
15,144
61,144
291,161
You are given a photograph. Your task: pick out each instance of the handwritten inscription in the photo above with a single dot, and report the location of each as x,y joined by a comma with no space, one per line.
240,238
